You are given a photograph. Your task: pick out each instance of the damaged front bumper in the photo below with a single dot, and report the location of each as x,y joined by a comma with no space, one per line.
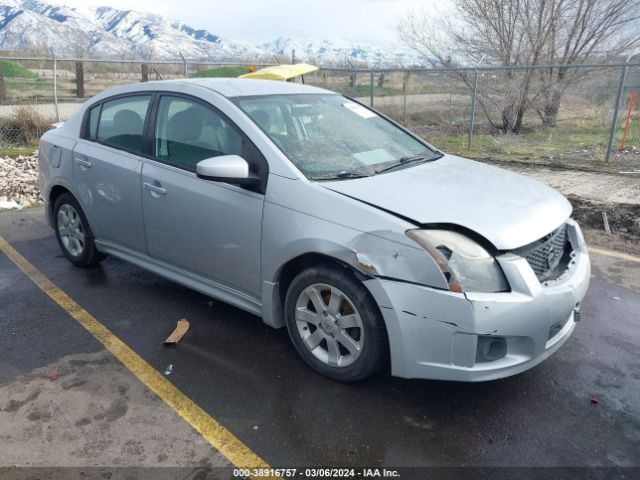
437,334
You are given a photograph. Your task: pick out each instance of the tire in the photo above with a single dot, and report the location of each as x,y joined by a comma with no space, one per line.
73,232
347,341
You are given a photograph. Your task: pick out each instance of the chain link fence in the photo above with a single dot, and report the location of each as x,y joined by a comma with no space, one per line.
485,112
559,114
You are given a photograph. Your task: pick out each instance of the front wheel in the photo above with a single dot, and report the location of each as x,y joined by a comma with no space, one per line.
334,324
73,232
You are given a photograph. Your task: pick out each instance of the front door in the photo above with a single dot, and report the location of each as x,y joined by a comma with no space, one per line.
209,228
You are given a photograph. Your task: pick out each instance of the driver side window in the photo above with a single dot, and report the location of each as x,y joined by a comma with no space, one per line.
187,132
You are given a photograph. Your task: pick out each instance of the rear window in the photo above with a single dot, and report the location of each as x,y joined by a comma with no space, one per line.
94,116
121,122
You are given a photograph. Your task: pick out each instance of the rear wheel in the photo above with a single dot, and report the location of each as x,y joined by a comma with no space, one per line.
73,232
334,324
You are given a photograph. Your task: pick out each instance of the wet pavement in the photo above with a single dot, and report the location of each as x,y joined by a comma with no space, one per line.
248,377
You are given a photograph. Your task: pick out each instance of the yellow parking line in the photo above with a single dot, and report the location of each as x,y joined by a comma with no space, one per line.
222,439
611,253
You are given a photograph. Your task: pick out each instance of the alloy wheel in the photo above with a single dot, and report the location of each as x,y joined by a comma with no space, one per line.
329,325
70,230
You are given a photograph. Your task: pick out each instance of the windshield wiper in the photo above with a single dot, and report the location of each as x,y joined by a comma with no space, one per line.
344,174
407,160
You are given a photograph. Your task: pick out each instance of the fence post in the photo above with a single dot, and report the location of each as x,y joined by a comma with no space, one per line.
473,110
614,120
186,65
450,100
55,85
371,90
144,70
405,86
3,89
353,78
80,79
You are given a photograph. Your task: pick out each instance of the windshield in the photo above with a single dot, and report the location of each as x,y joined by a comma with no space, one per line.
328,136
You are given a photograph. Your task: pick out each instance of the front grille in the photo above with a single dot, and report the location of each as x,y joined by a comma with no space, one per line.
546,256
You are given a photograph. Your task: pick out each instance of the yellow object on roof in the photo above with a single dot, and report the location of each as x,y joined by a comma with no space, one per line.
281,72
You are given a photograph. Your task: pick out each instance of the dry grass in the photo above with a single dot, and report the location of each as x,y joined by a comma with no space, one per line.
24,128
502,143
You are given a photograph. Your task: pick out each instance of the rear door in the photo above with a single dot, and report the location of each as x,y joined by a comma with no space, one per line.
209,228
107,167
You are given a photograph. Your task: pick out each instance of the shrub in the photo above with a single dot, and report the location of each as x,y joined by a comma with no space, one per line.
502,143
25,127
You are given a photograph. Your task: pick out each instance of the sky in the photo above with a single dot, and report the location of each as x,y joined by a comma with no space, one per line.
260,21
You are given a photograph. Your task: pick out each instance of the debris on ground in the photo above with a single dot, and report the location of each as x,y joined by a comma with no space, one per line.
9,204
169,369
178,333
54,376
605,221
19,182
594,400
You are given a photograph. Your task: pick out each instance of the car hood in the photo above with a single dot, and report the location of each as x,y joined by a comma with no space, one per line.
507,209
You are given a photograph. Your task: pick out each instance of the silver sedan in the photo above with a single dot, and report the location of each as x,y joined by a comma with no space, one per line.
317,213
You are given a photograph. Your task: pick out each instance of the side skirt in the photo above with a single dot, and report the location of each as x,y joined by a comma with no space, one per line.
183,277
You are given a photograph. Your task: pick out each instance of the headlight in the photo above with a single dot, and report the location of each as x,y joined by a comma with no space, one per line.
466,265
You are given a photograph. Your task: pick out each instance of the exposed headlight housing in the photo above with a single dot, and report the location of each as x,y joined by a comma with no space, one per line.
466,266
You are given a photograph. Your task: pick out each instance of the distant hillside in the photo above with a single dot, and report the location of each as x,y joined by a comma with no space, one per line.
108,32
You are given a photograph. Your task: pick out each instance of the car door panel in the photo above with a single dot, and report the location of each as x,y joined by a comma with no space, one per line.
108,183
209,228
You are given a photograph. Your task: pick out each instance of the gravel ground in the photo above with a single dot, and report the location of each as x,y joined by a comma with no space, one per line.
19,182
598,187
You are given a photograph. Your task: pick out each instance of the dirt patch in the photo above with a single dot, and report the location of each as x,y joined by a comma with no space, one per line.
623,217
95,412
591,193
582,160
624,222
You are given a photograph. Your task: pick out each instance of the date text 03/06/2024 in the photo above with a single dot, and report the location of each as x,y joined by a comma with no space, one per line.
290,473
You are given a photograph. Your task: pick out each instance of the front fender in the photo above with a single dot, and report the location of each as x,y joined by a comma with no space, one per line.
288,234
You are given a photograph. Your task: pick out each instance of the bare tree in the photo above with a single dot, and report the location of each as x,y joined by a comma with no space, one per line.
525,32
579,31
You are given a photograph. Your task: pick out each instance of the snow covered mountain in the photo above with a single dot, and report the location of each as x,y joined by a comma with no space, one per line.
338,52
108,32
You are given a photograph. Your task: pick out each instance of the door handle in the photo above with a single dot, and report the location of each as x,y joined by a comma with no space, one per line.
155,188
82,161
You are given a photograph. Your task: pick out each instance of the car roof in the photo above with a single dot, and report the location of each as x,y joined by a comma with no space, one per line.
240,87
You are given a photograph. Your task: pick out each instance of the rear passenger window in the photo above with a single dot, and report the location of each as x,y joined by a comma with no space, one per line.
122,121
94,116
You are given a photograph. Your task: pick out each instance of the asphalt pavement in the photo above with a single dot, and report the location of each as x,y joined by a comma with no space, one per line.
61,392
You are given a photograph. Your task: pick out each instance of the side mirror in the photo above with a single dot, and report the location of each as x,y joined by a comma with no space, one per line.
226,168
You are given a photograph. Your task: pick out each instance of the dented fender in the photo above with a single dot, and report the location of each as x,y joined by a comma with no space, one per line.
376,254
372,243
